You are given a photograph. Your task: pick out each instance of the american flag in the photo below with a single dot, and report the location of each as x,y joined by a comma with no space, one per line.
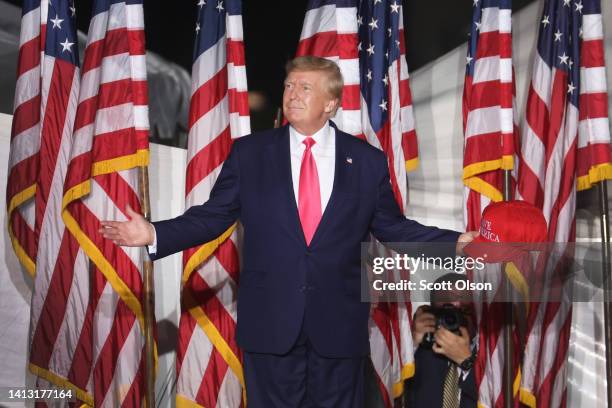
51,343
25,135
565,144
594,152
489,149
366,39
488,114
110,142
209,362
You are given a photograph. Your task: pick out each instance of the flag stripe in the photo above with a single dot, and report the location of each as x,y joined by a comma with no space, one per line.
217,311
54,308
28,83
25,232
28,58
238,102
25,117
209,158
82,358
209,125
135,395
187,325
211,381
208,95
594,105
107,360
329,44
592,53
54,119
494,44
110,95
114,44
537,115
23,174
488,94
228,257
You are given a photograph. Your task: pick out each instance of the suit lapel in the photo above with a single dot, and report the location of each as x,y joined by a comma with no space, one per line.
342,181
280,156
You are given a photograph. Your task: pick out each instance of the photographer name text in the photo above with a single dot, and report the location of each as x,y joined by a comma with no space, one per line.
425,285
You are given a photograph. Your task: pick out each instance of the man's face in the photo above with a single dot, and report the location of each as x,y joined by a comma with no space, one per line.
306,103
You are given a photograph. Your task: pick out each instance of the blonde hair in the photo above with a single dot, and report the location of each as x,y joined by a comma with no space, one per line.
334,82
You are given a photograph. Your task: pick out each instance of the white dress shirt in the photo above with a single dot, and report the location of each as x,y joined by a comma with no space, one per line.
324,155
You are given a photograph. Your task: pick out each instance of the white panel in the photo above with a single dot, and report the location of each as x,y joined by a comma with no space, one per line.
167,192
15,291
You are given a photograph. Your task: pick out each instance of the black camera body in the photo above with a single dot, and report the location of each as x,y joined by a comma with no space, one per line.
447,316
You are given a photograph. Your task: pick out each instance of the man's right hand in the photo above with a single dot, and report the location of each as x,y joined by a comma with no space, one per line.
424,322
135,232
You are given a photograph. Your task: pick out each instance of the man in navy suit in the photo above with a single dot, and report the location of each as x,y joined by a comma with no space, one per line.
307,196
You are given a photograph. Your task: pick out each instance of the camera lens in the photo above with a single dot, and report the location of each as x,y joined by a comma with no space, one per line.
450,321
450,318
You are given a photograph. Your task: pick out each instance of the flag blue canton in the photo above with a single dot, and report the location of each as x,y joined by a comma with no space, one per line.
559,41
210,26
61,38
379,47
29,5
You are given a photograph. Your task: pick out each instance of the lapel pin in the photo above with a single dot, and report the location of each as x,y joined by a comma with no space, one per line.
349,160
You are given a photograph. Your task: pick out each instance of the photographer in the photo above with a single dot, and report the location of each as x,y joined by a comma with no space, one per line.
445,343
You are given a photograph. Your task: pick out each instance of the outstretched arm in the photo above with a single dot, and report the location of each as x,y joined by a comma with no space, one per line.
390,226
199,224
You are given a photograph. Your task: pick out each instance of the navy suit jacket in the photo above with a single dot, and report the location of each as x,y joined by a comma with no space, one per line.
285,283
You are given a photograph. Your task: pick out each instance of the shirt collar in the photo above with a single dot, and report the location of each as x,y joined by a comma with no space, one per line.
322,137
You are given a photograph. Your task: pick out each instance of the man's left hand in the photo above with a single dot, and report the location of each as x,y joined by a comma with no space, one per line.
465,239
455,347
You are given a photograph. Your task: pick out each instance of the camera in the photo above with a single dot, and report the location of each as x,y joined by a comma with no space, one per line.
447,316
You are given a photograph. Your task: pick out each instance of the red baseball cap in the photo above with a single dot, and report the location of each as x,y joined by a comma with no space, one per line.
507,230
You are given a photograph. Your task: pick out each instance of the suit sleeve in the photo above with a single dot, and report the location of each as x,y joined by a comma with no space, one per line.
205,222
389,225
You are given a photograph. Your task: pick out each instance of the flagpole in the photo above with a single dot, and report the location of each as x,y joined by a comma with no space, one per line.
605,257
278,118
509,318
148,295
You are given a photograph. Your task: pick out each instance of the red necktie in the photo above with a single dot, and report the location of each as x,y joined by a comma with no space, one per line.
309,194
